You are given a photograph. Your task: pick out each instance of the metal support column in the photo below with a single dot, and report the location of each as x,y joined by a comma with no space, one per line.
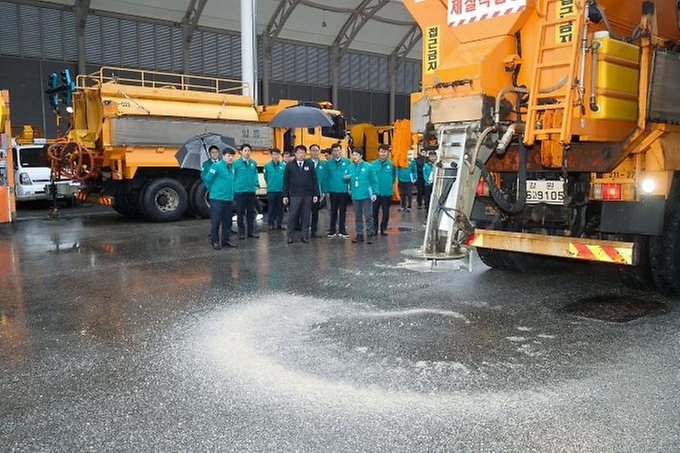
248,50
82,8
392,74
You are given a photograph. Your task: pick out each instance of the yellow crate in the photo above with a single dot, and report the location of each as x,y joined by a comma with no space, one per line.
609,46
617,80
612,108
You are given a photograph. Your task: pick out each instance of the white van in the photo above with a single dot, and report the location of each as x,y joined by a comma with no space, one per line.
32,174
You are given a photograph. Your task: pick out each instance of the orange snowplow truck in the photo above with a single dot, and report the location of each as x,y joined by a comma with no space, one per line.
556,123
127,125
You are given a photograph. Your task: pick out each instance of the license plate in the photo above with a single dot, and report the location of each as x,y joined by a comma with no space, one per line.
542,191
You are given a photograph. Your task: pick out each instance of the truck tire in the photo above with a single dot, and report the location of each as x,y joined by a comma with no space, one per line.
164,200
529,263
665,253
497,259
198,200
126,203
640,276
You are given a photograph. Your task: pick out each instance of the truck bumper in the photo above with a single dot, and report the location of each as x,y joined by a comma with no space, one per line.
94,198
563,247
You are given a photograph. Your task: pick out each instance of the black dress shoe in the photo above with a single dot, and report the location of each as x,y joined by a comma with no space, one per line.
216,246
306,241
369,239
241,237
229,244
383,233
316,235
290,241
254,235
358,239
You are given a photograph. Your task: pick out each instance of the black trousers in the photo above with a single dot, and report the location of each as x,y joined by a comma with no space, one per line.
420,191
382,202
428,195
315,217
298,211
405,194
245,208
339,202
220,216
275,208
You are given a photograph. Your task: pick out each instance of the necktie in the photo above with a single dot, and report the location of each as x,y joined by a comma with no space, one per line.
300,165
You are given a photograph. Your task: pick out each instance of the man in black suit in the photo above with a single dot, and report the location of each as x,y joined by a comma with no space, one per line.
300,190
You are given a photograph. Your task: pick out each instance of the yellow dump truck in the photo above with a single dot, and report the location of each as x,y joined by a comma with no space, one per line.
127,125
556,123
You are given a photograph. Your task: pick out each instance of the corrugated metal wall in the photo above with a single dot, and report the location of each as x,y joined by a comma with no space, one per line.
298,71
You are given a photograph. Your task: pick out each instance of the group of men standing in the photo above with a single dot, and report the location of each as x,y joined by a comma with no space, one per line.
302,184
231,181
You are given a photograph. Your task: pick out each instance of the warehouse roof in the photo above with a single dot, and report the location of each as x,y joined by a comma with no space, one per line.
379,26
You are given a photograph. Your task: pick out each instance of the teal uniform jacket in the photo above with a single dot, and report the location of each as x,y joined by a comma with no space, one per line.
320,168
362,181
206,167
428,168
386,174
245,176
407,174
336,169
273,176
220,181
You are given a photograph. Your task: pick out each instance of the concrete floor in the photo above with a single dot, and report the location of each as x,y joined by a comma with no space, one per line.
117,335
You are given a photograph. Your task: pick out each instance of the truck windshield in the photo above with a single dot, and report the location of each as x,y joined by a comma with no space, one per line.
32,157
337,130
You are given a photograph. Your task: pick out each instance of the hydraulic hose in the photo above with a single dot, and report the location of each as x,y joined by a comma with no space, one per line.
71,160
478,147
593,77
511,207
499,97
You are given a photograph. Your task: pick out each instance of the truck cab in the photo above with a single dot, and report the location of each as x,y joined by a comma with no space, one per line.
32,173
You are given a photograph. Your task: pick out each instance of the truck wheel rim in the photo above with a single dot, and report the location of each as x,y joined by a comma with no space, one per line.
167,200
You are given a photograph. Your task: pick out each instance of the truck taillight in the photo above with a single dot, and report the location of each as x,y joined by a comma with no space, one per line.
613,191
24,179
482,188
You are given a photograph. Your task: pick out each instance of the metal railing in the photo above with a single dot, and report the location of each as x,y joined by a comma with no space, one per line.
157,79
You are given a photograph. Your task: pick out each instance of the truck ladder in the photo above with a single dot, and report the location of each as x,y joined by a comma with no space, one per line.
450,203
559,36
453,193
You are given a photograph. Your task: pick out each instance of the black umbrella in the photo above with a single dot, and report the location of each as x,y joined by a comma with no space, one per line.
301,116
195,151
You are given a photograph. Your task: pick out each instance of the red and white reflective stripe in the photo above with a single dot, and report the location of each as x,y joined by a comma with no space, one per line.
475,240
616,252
467,11
604,253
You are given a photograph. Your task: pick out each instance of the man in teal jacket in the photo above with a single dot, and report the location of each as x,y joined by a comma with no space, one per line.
428,176
386,175
273,176
214,157
364,186
336,186
320,169
219,179
245,184
406,176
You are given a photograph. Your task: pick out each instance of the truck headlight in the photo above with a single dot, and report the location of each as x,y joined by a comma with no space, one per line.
648,185
24,179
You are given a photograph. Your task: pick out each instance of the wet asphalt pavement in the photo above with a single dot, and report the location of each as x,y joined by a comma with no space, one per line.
119,335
